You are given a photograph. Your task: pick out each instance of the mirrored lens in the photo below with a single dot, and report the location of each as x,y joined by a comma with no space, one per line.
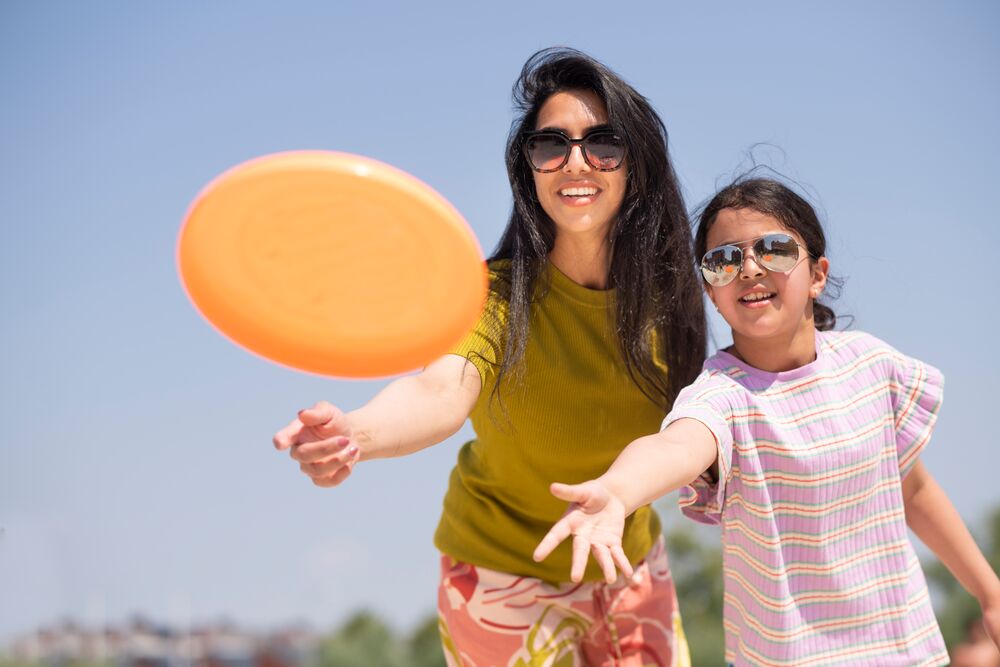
546,152
777,252
604,151
721,265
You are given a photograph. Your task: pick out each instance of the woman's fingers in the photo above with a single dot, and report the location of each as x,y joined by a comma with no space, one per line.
329,466
323,450
335,479
320,422
325,420
289,435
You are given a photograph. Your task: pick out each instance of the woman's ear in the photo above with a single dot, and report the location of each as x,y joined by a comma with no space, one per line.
820,272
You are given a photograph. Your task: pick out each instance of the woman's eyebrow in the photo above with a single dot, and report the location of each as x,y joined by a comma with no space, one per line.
562,130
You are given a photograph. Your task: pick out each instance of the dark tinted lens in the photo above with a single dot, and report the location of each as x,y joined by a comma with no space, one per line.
720,265
777,252
604,151
546,152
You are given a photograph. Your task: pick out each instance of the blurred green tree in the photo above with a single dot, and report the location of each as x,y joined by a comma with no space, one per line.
697,570
365,640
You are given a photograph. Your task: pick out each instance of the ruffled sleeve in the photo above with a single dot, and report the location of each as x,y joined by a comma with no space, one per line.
703,499
916,390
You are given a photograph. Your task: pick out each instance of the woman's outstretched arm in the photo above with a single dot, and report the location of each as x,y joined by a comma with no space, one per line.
409,414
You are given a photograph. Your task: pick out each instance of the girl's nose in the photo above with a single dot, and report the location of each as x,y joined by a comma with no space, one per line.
751,269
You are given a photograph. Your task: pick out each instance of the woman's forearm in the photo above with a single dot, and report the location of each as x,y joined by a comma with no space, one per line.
416,411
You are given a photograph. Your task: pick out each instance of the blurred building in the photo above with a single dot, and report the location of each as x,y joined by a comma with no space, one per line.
141,643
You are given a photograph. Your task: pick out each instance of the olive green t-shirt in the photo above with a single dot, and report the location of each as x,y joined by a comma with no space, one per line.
565,419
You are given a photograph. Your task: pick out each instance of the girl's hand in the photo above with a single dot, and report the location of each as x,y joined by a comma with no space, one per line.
320,440
596,520
991,622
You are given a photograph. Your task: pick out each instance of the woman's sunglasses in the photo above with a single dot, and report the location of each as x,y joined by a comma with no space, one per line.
774,252
549,150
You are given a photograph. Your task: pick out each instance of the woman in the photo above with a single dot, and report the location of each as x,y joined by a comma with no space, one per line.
593,324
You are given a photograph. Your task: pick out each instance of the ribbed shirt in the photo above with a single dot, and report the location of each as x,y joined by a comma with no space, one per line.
570,412
818,565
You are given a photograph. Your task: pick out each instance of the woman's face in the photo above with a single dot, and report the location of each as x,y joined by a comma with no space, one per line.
578,198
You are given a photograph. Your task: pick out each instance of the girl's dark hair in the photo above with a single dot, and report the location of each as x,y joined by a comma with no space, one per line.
659,313
777,200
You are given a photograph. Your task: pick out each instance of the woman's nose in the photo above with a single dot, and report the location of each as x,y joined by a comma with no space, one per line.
576,162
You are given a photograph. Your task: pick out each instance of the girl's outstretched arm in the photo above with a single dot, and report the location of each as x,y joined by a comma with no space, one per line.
934,519
648,468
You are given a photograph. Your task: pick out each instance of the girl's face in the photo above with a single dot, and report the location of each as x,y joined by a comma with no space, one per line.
762,304
578,198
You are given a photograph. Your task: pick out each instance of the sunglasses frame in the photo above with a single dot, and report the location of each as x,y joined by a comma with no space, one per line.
570,142
750,243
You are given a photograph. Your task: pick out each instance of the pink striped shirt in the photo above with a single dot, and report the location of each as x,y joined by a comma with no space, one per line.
819,569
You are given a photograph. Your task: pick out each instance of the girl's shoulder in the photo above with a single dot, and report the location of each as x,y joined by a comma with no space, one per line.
854,347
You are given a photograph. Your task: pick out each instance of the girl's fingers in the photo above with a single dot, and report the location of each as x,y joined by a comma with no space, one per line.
603,557
581,551
618,554
559,532
571,493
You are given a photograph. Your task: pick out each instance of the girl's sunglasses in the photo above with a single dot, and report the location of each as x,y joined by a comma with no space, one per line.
549,150
775,252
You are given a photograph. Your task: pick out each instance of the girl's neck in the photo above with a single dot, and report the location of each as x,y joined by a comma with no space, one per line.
585,261
783,352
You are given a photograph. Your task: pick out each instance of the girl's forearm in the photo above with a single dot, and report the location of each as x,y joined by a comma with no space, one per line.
416,411
930,515
654,465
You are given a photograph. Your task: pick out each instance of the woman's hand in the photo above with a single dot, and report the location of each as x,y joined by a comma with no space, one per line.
320,440
596,520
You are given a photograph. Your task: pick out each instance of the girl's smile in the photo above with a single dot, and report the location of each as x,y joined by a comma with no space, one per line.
771,313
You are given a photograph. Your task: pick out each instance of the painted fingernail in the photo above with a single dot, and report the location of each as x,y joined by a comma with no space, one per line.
341,441
352,451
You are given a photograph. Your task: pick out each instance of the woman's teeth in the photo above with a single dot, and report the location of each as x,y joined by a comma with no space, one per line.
756,296
578,192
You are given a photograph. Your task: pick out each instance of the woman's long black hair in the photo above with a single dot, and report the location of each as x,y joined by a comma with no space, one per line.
659,312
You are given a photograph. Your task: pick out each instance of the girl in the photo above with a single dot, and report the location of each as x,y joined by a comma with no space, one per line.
593,291
804,444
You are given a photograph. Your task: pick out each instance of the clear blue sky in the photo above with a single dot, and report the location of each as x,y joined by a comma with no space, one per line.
136,471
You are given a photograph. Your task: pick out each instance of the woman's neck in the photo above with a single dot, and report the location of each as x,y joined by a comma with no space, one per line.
584,261
783,352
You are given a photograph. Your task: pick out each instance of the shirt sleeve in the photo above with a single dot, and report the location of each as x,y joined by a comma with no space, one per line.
484,345
703,499
916,391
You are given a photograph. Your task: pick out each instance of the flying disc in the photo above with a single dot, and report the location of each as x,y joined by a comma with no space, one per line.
332,263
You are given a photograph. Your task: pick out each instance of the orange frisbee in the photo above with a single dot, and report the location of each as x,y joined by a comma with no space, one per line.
332,263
